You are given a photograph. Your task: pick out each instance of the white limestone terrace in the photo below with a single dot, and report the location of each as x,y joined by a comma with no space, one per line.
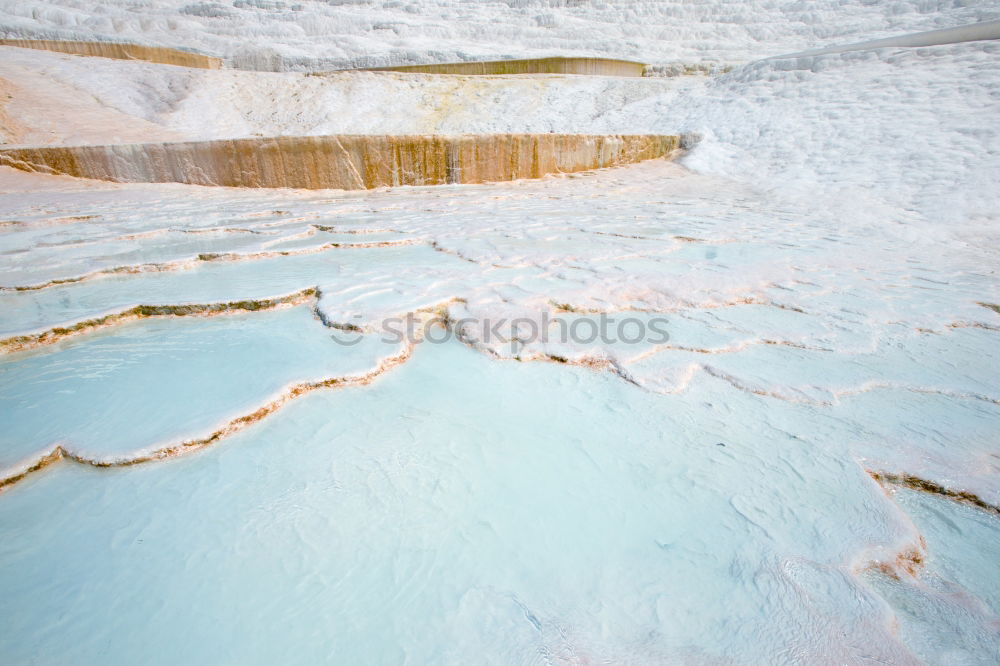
279,34
826,259
911,127
61,99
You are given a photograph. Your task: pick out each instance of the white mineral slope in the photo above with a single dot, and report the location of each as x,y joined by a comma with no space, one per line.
911,129
973,32
62,99
274,34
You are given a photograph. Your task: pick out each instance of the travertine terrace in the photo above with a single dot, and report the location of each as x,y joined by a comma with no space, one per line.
119,51
732,401
584,66
349,162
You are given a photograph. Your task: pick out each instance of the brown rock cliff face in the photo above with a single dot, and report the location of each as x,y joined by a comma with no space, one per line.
119,51
349,162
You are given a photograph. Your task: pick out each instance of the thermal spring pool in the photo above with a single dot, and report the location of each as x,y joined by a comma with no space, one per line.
215,449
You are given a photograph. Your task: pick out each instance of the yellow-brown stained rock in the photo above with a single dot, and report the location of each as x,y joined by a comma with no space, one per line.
349,162
589,66
120,51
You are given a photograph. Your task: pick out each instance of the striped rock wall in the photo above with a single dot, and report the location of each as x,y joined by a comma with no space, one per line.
119,51
591,66
345,161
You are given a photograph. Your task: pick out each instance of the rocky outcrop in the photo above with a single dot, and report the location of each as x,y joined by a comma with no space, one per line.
350,162
120,51
591,66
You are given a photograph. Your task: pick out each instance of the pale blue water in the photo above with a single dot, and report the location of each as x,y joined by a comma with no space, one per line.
701,499
459,510
147,384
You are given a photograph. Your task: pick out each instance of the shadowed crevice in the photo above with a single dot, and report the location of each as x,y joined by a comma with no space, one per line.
923,485
62,452
53,335
214,256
